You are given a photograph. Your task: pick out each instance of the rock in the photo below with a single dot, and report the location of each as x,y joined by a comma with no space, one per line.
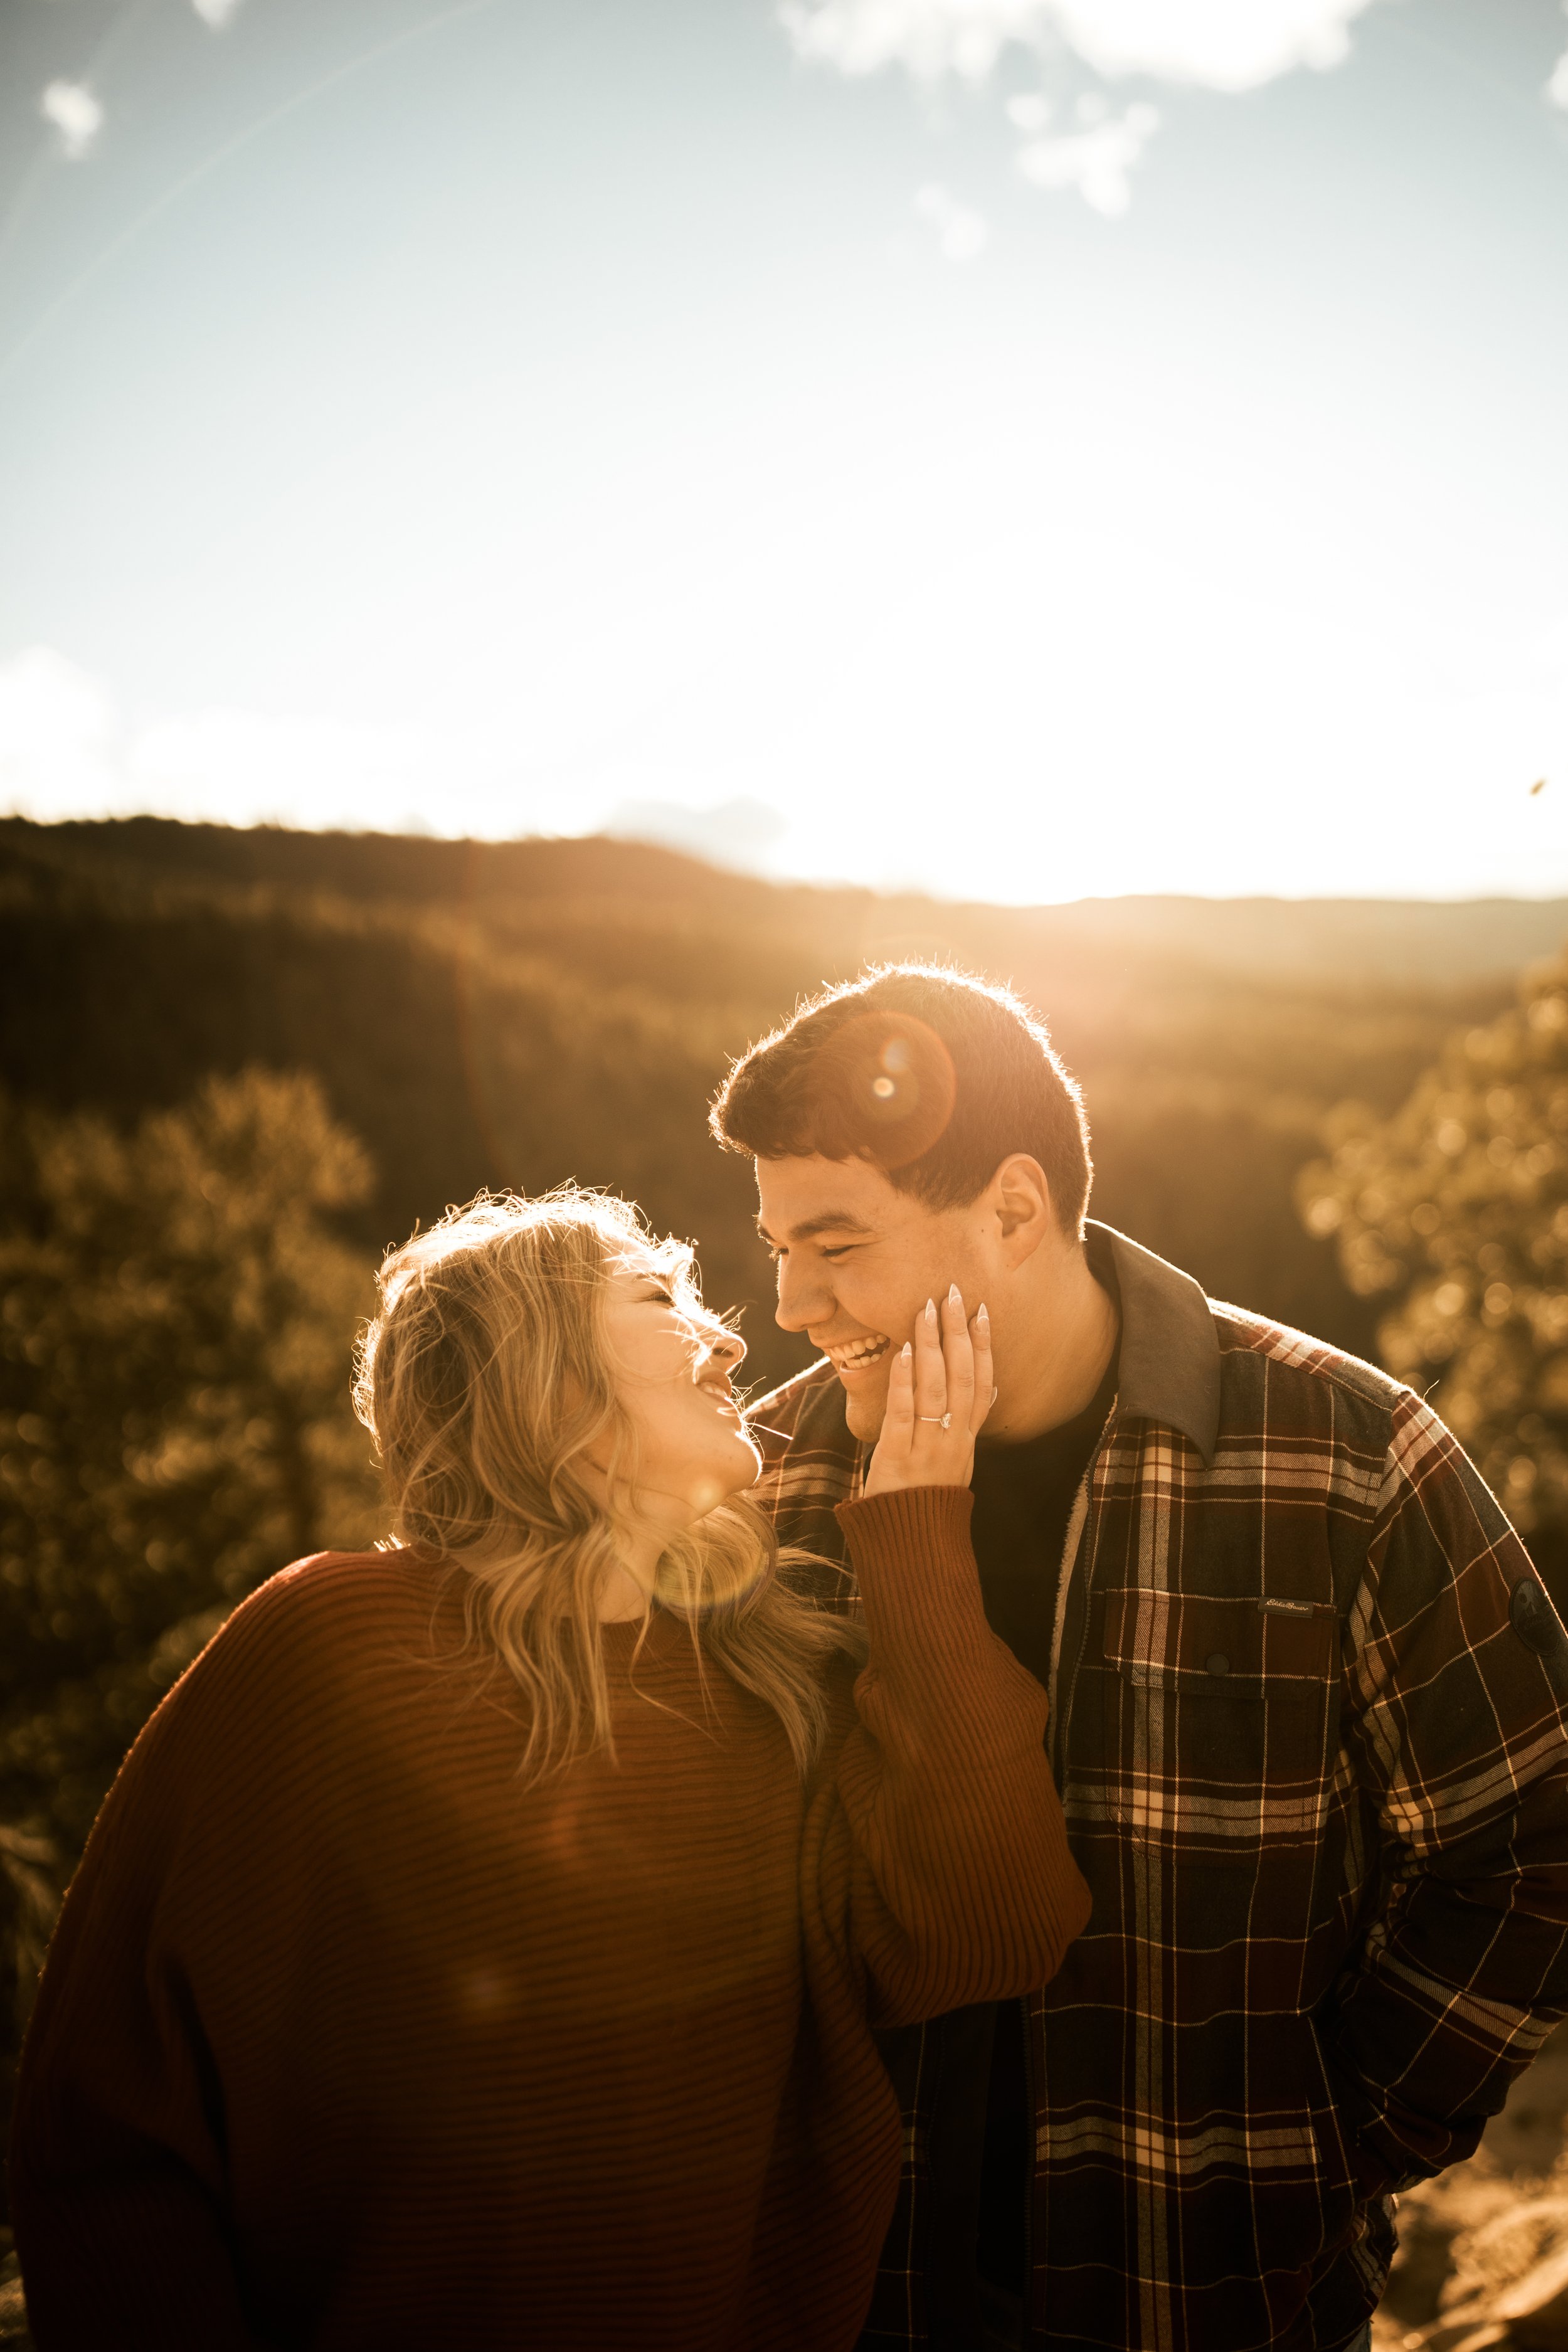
1526,2241
14,2333
1458,2334
1528,2135
1431,2220
1483,2258
1536,2306
1540,2331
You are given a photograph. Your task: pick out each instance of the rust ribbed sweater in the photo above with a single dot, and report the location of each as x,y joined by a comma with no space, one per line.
346,2040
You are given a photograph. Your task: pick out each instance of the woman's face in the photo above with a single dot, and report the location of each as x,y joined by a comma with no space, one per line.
672,1365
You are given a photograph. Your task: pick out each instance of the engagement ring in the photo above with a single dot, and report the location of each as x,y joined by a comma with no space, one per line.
942,1419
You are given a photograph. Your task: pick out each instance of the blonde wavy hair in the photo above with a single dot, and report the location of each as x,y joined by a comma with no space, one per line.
485,1383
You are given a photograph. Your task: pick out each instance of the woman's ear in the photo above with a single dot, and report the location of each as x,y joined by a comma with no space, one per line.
1020,1199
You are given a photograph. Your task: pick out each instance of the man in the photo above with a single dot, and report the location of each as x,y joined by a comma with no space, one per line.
1309,1717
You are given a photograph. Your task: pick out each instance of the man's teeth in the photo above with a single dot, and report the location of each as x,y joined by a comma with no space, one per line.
858,1352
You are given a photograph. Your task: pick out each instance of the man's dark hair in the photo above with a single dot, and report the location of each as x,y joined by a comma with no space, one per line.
945,1037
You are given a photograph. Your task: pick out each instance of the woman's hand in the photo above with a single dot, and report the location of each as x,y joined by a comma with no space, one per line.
939,1394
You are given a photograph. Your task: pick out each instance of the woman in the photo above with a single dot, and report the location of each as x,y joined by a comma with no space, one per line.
481,1944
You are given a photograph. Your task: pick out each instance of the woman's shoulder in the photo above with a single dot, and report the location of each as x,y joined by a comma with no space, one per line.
340,1590
329,1582
321,1615
280,1693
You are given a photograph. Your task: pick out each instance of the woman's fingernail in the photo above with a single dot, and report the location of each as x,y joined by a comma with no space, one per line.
994,1396
983,1314
954,1296
930,1310
906,1351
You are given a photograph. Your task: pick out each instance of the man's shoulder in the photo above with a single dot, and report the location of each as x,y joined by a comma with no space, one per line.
1304,1408
807,1410
809,1457
1254,1349
1302,1411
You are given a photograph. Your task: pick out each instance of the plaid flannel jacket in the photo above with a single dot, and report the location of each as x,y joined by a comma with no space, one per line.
1309,1721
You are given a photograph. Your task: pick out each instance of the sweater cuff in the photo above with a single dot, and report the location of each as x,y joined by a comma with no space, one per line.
930,1642
913,1558
884,1526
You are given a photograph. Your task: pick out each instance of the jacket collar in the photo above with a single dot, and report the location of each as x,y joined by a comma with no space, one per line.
1169,1367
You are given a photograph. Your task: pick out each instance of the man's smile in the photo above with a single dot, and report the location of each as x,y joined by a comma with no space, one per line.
855,1354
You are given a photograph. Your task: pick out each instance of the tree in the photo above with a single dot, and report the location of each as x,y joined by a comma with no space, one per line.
175,1422
1456,1210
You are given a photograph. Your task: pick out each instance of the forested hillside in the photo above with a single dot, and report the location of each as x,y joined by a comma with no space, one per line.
518,1013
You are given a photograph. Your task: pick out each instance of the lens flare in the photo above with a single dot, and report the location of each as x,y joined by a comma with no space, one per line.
888,1090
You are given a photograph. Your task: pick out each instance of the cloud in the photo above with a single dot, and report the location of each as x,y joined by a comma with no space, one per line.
961,234
929,38
1227,45
69,750
75,113
257,767
59,735
733,833
66,750
1557,87
1223,45
215,13
1098,159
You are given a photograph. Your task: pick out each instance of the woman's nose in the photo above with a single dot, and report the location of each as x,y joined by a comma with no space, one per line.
728,1350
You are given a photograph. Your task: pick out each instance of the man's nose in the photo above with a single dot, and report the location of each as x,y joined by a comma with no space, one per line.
803,1299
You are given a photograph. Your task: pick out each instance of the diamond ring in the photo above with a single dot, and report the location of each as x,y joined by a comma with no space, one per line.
941,1420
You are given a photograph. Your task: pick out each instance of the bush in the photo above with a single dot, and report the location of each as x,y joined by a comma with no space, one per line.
1455,1210
174,1425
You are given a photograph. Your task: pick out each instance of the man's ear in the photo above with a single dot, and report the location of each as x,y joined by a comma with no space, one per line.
1019,1197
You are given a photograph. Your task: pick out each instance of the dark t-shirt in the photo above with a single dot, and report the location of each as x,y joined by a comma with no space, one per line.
1022,1500
1024,1496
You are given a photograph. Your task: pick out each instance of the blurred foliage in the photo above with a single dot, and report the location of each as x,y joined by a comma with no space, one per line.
174,1349
1455,1210
30,1879
176,1323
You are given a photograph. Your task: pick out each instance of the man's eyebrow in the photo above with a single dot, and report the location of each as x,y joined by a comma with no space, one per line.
834,1220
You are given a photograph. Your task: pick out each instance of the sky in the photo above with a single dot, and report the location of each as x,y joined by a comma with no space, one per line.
1023,449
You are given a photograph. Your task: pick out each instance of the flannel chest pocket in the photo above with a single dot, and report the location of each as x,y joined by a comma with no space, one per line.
1222,1718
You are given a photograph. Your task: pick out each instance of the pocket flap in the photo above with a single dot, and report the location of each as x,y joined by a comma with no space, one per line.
1200,1642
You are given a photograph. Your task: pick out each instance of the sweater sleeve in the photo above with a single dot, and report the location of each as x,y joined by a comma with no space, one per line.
936,1851
117,2168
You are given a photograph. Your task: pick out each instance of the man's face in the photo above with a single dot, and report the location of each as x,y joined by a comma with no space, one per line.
857,1262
